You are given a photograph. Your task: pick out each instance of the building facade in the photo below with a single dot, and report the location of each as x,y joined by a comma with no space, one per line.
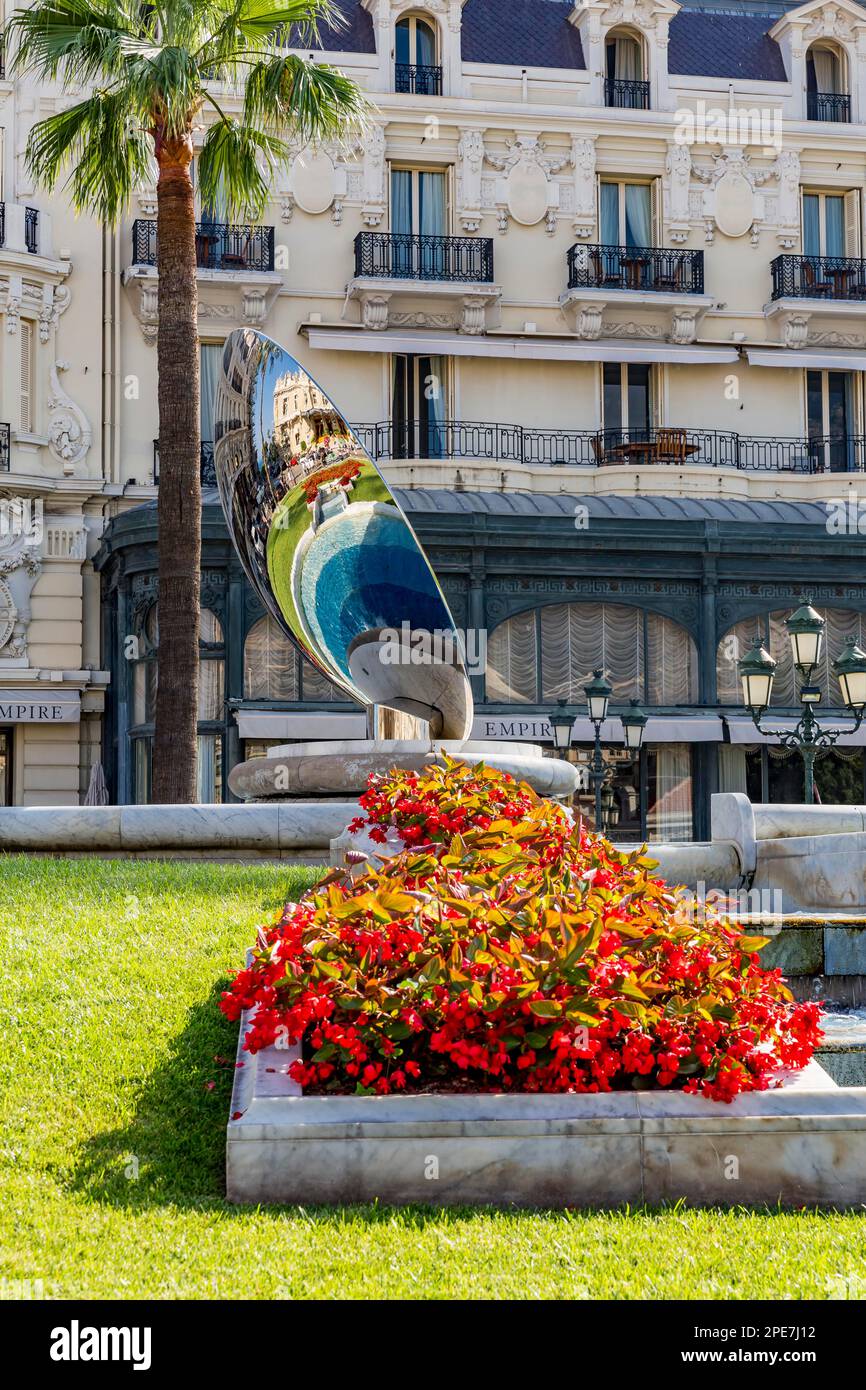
591,287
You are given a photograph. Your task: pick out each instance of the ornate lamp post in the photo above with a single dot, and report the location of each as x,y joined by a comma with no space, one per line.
758,672
598,692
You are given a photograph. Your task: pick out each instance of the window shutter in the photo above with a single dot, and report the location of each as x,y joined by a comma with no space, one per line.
25,412
852,223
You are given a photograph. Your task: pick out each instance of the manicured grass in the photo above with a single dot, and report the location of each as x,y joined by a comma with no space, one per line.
112,1140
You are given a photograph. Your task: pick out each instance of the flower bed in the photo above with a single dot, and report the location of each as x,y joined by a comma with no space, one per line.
506,949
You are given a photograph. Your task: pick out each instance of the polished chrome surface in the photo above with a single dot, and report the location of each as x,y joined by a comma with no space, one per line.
325,544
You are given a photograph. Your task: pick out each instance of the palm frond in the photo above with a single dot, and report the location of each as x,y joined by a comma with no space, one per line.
103,144
312,100
84,40
236,165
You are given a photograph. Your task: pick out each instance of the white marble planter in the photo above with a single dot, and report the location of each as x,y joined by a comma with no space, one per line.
803,1144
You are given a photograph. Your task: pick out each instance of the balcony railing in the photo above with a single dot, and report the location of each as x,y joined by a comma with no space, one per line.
31,228
640,268
422,79
819,277
828,106
401,256
208,471
5,436
667,445
218,245
627,93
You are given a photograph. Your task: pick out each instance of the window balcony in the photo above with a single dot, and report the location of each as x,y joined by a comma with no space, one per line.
828,106
642,268
405,256
642,280
424,279
665,445
627,93
23,237
208,471
218,245
5,435
819,277
421,79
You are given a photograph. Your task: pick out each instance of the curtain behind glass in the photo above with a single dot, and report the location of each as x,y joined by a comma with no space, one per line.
209,769
626,59
210,361
834,227
431,391
270,664
732,768
425,45
638,214
669,814
402,53
401,200
576,638
609,213
826,69
512,661
672,663
433,222
811,225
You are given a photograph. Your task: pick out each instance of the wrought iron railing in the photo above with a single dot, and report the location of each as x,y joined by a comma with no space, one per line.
833,453
218,245
423,79
31,230
405,256
208,471
665,445
626,92
828,106
818,277
653,268
5,436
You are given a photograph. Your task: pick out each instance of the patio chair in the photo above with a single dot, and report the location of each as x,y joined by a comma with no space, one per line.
671,445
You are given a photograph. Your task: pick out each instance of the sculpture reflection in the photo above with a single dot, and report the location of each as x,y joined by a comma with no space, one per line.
325,544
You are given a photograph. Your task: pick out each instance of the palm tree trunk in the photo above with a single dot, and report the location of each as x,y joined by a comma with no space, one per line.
179,506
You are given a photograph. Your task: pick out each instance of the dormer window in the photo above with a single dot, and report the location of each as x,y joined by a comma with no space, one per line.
417,68
827,98
625,84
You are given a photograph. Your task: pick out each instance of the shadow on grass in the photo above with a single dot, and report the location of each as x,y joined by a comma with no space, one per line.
172,1154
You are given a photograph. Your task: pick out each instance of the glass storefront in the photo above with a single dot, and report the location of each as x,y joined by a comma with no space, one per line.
647,798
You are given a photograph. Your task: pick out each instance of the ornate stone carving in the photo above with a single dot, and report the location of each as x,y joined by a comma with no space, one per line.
795,330
69,432
470,152
525,191
787,170
374,310
678,167
684,324
373,150
588,320
19,569
254,305
473,320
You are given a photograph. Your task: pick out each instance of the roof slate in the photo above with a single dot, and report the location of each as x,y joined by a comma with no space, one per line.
706,44
521,33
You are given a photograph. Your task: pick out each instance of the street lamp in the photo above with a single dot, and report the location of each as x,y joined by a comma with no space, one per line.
758,671
634,721
598,692
562,723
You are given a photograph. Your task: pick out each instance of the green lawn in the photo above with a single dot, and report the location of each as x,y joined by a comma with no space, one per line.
112,1138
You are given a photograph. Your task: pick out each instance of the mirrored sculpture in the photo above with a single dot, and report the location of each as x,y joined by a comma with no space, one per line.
326,545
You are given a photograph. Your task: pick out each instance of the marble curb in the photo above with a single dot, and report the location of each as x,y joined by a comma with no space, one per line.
226,828
803,1144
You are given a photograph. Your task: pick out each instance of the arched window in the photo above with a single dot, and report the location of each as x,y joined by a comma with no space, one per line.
275,670
550,653
770,627
211,705
416,64
625,82
827,97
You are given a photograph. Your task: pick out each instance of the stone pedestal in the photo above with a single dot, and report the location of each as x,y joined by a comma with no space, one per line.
341,768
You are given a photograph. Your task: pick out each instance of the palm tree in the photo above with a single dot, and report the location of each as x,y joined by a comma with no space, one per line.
155,73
